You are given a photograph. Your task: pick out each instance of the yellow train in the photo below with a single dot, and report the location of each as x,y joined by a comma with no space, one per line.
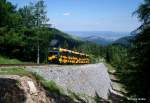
65,56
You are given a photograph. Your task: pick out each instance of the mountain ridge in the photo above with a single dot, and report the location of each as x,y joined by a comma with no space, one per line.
110,35
98,40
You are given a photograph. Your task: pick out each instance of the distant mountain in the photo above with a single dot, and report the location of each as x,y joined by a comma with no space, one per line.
124,40
98,40
103,39
108,35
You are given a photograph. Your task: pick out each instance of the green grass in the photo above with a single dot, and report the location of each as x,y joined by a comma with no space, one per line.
5,60
15,71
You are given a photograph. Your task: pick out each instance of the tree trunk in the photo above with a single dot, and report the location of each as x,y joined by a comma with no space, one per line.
38,54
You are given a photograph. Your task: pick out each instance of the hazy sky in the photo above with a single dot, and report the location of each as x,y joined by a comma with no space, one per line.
90,15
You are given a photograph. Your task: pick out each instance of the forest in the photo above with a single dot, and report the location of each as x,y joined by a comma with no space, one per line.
25,34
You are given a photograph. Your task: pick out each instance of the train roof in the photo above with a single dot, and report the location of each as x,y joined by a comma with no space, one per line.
66,50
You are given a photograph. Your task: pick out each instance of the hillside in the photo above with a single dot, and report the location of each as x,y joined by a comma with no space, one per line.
63,39
124,40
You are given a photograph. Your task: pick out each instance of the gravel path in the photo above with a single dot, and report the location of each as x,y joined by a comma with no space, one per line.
84,79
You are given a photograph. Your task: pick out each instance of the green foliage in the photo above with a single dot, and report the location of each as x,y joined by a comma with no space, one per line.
138,65
143,12
116,55
7,12
20,33
135,72
95,52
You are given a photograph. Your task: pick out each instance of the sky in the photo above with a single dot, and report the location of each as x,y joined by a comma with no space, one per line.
90,15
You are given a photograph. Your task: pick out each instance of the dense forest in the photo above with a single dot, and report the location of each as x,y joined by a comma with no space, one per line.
26,35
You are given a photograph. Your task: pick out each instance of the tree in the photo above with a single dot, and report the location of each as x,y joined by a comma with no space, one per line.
34,18
6,11
137,75
143,13
27,16
40,21
10,36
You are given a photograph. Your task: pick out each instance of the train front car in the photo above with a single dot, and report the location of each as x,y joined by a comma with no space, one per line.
53,56
65,56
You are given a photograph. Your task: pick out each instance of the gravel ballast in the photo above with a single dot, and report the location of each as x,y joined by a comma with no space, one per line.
90,79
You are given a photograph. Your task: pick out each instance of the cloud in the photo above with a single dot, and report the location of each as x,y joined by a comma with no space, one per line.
66,14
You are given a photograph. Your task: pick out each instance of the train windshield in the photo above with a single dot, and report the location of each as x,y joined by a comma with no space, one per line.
52,53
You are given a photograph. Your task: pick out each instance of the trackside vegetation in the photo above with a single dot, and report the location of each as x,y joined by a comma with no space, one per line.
6,60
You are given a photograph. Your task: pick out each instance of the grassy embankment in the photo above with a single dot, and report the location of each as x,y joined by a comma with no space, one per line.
6,60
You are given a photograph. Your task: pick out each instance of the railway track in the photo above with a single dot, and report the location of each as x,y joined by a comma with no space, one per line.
10,65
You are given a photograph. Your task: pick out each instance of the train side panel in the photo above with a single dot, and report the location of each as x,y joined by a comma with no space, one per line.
64,56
